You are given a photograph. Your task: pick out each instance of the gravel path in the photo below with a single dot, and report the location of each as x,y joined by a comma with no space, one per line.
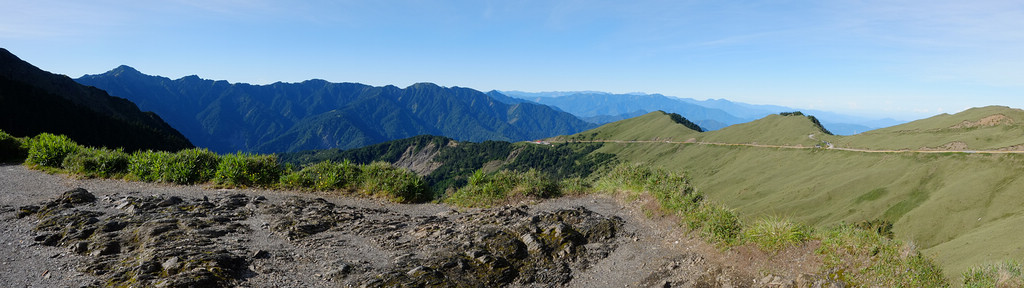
643,252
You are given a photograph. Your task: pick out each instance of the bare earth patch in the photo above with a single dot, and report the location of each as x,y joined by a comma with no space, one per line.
993,120
951,146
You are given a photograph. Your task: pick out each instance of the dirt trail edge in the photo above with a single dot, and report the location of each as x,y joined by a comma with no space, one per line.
63,232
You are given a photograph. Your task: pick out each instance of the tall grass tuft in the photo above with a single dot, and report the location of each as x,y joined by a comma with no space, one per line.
148,166
865,258
94,162
381,179
49,150
12,149
715,223
676,196
324,176
773,234
1007,274
574,186
489,189
190,166
247,170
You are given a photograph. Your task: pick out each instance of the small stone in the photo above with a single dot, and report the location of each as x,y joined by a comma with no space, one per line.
27,210
476,253
531,242
111,226
77,196
173,200
80,247
108,248
48,239
171,264
260,254
417,271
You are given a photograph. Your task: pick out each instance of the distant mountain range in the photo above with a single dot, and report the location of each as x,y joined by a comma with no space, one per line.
34,101
711,114
316,114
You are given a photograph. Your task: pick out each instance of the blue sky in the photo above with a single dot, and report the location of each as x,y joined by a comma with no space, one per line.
902,59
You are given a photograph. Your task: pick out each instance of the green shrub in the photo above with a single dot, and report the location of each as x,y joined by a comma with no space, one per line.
244,170
323,176
485,190
715,223
866,258
50,150
94,162
148,166
574,186
381,179
639,178
12,149
189,166
1006,274
773,234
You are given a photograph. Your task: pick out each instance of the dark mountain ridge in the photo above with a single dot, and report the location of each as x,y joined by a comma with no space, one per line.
317,114
35,101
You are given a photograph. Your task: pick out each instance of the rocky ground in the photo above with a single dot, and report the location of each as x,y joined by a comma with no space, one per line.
64,232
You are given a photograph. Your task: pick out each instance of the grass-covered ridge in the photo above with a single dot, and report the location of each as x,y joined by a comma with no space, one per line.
963,209
985,128
856,255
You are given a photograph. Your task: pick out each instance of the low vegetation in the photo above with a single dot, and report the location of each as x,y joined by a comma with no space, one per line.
1006,274
861,255
12,149
489,189
774,233
856,256
57,153
865,258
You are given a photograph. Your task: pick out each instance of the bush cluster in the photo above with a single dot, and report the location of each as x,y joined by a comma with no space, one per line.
862,257
12,149
246,170
773,233
49,150
189,166
377,179
323,176
381,179
93,162
489,189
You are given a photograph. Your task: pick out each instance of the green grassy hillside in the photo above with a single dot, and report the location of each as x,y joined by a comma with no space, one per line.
790,130
986,128
963,209
654,126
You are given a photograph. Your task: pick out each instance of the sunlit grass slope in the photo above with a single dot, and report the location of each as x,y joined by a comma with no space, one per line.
771,130
962,209
654,126
986,128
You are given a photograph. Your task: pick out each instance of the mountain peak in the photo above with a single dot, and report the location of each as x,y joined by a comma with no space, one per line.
124,70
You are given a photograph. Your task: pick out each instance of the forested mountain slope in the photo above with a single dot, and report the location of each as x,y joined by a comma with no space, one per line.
317,114
34,101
